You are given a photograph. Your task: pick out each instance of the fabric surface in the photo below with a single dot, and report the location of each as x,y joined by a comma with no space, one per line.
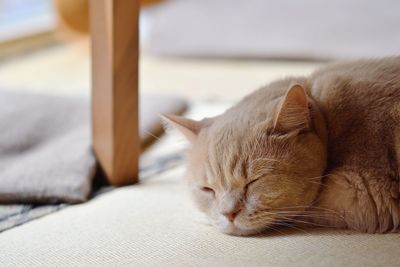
14,215
154,223
45,145
308,29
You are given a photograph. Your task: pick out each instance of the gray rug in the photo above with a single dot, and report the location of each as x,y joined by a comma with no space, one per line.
45,152
45,145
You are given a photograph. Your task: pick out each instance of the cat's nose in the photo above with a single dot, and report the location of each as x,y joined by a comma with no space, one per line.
231,215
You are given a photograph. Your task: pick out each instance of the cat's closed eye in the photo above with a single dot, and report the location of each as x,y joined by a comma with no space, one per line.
250,183
207,190
246,188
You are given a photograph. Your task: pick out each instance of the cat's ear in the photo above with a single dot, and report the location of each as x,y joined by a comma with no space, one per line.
293,113
189,128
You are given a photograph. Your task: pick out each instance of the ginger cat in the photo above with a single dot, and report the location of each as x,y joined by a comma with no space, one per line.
322,150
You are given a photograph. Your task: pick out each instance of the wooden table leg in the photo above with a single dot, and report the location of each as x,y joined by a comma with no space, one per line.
114,33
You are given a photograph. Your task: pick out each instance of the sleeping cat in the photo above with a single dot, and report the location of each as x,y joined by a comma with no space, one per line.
322,150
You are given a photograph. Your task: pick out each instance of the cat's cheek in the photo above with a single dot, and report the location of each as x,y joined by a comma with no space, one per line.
204,204
201,204
203,218
252,200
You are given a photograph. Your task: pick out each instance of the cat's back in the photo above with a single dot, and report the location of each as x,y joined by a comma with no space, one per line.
366,80
361,103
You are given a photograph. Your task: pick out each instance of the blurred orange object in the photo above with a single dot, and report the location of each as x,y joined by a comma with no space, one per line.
74,14
149,2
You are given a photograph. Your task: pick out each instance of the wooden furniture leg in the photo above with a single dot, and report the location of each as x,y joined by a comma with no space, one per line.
114,33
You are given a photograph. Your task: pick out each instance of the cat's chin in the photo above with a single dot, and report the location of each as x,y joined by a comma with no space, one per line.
231,229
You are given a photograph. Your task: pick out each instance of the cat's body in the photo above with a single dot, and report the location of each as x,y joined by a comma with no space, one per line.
361,104
319,150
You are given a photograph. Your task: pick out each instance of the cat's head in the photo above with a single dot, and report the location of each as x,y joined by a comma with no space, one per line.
255,167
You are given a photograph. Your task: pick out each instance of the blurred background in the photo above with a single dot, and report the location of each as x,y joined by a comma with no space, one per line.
195,48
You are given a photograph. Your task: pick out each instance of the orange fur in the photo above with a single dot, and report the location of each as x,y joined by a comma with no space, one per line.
321,150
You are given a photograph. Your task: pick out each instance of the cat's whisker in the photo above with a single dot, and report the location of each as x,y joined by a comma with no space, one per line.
312,207
318,183
291,226
293,215
294,220
310,215
304,222
316,211
282,223
316,214
298,213
318,177
274,229
152,135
